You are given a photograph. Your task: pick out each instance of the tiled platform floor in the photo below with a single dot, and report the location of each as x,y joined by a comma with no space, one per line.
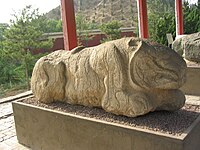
8,138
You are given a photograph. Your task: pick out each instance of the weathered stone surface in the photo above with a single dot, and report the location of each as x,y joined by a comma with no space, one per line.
126,77
188,46
178,45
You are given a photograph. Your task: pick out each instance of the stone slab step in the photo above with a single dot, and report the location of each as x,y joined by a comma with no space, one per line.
15,97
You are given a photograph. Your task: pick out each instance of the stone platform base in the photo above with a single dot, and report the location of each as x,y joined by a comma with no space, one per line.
45,129
192,85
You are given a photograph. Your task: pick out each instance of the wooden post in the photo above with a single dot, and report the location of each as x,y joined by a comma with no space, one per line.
69,24
179,17
142,19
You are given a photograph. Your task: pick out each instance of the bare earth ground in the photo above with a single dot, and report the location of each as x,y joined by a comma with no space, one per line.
173,123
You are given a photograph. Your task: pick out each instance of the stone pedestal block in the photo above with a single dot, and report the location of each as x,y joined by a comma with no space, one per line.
192,85
45,129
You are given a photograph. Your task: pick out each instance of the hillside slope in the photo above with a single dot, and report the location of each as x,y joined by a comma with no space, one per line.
102,11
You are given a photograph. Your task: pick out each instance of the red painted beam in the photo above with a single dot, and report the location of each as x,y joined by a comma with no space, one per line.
179,17
69,24
143,18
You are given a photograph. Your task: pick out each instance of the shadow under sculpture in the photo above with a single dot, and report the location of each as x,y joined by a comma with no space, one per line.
128,77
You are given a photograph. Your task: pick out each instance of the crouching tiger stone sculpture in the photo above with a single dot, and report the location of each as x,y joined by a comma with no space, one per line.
128,77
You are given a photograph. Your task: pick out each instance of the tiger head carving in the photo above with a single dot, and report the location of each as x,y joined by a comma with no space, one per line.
155,66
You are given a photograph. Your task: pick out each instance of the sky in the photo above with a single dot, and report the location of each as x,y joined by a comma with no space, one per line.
193,1
8,7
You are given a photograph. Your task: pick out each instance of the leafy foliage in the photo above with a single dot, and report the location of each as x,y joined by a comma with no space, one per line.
165,25
10,71
111,30
23,36
83,27
49,25
82,24
191,18
162,19
3,27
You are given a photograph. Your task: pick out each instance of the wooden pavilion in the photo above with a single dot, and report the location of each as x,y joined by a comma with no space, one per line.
69,24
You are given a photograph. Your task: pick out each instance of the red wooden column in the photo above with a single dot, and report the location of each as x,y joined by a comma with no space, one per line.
179,17
142,18
69,24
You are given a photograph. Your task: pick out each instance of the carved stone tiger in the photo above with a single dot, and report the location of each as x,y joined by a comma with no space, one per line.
128,76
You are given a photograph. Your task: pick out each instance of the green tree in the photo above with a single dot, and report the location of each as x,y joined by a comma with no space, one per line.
3,27
111,30
83,27
164,25
48,25
191,18
10,69
23,36
161,19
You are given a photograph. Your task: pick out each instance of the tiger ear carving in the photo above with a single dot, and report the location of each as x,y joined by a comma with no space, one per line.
138,45
134,42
